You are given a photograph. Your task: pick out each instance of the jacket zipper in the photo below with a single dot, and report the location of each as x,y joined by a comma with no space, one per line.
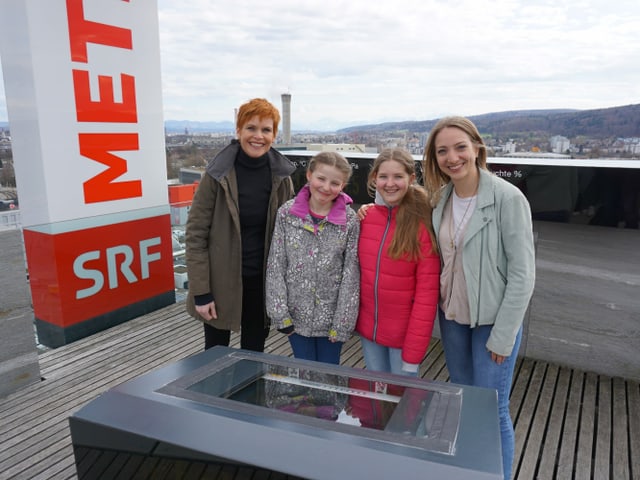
375,282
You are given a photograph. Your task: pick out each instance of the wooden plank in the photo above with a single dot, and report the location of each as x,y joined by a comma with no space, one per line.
116,465
587,427
69,473
261,475
633,399
195,471
66,372
602,457
177,469
551,448
527,414
162,469
61,470
148,335
227,472
25,447
521,378
152,331
27,452
567,456
171,319
145,469
37,423
37,455
537,433
620,439
279,345
434,366
88,460
351,355
36,442
56,402
60,466
244,473
100,465
131,466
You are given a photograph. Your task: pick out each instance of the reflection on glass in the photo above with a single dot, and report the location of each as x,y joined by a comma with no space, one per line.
349,400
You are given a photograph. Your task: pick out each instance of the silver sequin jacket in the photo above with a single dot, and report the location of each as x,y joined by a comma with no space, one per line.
313,277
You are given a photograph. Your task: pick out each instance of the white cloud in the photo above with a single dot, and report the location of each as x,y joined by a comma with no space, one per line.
346,62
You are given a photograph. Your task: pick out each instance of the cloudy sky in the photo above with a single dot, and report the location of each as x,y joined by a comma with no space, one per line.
360,62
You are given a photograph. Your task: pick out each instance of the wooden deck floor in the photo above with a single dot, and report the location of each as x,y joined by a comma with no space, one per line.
569,424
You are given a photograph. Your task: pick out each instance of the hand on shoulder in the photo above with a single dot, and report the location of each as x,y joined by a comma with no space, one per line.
362,211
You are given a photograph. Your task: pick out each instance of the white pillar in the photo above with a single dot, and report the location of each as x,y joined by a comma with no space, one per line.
82,80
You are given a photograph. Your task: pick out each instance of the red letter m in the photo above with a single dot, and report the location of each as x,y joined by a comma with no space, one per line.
102,188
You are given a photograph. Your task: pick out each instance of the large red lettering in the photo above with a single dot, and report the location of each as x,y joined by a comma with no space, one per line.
106,109
82,32
102,188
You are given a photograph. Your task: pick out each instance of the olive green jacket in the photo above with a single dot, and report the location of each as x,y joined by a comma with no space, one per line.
213,243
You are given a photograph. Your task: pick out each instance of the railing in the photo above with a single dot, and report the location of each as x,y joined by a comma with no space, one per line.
11,219
584,310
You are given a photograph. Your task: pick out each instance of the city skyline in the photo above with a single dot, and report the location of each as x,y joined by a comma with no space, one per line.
346,64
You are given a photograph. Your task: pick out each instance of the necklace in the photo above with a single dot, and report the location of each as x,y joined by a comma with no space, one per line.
461,223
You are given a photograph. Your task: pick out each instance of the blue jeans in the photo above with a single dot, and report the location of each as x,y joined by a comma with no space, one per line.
383,359
319,349
469,363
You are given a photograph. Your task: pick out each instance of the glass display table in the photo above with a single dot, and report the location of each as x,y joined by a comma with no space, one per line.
308,419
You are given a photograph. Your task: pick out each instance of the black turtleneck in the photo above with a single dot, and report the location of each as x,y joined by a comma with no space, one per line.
254,190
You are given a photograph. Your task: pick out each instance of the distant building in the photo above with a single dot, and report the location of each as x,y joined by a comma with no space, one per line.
337,147
286,118
180,198
509,147
537,155
631,145
559,144
5,141
190,175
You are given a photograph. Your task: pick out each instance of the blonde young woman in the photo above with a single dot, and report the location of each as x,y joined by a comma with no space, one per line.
484,232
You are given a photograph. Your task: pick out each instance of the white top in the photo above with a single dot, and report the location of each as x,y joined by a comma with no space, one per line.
462,210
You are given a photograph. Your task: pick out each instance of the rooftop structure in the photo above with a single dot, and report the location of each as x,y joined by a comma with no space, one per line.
286,118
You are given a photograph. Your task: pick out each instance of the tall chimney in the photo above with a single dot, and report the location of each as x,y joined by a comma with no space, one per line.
286,118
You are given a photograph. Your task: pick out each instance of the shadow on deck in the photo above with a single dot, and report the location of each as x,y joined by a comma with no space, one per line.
569,424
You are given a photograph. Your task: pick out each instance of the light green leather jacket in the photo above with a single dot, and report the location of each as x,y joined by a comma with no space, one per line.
498,258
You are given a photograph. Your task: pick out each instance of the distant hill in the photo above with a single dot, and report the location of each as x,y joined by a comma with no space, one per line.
179,126
601,123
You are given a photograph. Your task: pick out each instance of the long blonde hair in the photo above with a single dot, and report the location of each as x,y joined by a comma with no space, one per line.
434,177
414,208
